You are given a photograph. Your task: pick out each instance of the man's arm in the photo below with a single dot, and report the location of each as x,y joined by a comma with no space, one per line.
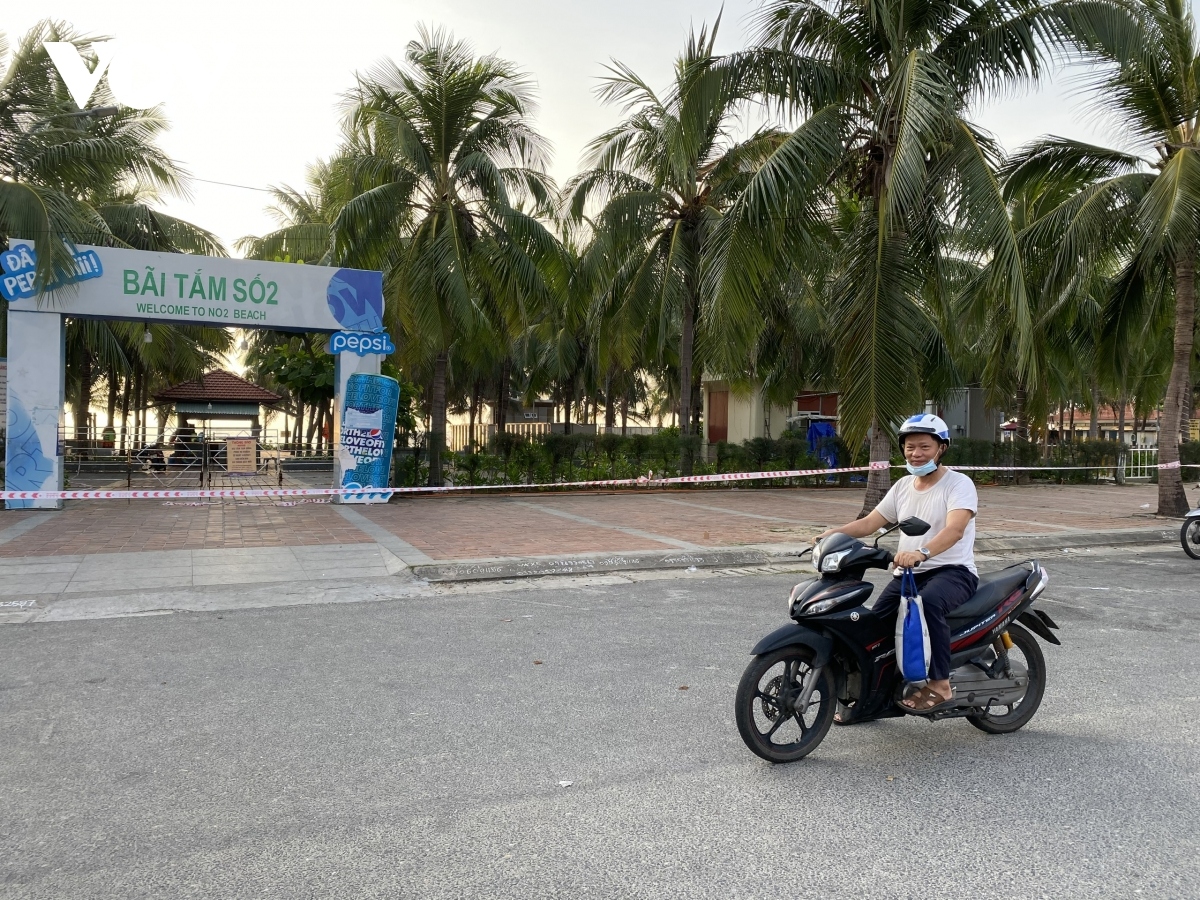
956,525
859,528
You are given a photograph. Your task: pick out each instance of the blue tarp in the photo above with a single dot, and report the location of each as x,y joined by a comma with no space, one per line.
820,443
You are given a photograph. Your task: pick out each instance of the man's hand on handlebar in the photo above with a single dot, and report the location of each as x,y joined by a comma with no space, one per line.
908,559
824,534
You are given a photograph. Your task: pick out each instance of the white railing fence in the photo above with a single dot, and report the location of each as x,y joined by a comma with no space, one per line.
1140,463
459,436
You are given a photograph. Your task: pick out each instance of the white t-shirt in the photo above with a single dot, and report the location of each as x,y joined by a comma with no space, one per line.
952,491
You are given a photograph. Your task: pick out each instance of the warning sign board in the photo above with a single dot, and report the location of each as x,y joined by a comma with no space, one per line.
241,457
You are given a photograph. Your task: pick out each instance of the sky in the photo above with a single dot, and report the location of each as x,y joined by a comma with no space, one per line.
253,90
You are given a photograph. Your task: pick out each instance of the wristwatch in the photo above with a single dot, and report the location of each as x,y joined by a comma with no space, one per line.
925,550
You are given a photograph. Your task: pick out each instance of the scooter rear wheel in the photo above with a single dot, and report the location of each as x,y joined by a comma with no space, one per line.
1007,719
765,710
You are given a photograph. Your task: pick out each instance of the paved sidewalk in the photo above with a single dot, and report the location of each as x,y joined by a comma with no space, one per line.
119,545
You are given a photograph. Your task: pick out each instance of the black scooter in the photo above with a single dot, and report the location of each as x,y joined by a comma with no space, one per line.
838,653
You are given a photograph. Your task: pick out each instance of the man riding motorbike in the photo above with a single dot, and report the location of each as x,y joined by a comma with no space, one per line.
944,564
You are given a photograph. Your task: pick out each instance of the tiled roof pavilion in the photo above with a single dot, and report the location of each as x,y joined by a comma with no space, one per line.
218,387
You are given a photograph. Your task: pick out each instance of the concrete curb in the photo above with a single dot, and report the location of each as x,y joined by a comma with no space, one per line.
531,567
1071,539
600,563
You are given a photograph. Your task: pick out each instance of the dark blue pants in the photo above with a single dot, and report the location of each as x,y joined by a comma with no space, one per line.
941,590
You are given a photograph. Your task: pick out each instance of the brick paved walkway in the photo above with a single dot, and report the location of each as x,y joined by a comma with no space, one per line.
130,526
479,527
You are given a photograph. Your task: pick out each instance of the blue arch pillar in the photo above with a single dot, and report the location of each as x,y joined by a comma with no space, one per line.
33,456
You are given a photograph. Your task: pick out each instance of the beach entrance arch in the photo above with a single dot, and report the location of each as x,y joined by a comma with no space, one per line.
142,286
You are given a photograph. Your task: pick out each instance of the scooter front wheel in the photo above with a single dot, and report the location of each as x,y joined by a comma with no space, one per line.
767,710
1189,536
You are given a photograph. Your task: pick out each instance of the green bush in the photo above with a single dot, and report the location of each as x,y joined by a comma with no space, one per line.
665,449
561,448
504,443
727,456
469,464
1091,453
759,451
611,445
639,447
970,452
1017,453
689,449
586,448
791,448
1189,454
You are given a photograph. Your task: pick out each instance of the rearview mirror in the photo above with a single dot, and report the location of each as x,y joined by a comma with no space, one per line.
914,527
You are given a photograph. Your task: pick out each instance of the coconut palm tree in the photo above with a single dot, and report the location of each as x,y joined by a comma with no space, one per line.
664,176
883,89
441,148
1069,278
1142,63
83,178
305,232
67,176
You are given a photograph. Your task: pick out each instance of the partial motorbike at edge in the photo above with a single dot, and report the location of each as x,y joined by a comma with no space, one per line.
838,653
1189,534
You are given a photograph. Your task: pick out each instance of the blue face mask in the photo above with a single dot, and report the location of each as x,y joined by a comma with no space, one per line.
926,469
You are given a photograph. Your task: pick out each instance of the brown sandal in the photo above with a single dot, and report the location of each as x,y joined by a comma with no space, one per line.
926,701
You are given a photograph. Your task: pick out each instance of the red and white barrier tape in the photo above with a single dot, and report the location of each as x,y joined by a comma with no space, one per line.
643,481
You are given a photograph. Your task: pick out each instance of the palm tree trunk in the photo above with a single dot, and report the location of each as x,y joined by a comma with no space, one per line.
126,389
473,414
112,398
1094,419
502,395
437,423
1023,415
686,340
568,400
1171,499
878,479
138,411
298,427
144,407
1121,418
84,399
624,412
313,442
1185,412
610,410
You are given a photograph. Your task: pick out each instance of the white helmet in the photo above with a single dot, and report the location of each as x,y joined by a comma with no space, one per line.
925,423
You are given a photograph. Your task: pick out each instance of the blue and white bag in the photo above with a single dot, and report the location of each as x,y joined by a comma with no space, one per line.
912,634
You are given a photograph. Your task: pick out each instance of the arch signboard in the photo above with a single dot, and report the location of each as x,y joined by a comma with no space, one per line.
142,286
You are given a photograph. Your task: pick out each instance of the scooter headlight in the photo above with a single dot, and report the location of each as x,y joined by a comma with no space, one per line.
821,606
832,562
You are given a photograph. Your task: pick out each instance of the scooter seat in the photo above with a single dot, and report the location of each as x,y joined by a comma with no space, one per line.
993,588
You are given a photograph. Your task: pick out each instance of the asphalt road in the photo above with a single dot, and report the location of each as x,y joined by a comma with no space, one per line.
418,748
